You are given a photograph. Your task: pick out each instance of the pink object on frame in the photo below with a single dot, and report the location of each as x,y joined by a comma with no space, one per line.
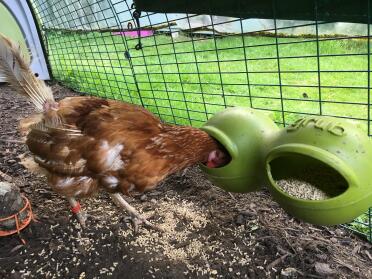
134,34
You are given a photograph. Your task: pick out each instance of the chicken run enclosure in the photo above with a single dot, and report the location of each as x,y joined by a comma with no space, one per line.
186,60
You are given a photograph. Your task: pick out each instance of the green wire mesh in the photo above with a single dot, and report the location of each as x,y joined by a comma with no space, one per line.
185,71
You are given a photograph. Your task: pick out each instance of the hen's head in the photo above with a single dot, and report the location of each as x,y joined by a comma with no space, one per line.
217,158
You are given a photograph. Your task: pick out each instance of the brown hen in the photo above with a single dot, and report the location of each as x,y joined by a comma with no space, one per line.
86,144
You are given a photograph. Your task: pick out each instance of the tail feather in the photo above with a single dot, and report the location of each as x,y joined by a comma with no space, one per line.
16,69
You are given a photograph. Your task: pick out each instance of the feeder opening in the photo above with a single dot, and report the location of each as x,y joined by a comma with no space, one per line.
218,158
305,177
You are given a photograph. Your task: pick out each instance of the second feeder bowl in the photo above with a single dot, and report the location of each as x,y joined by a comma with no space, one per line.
319,170
245,134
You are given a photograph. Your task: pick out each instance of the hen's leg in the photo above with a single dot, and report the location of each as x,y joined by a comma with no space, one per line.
76,209
136,218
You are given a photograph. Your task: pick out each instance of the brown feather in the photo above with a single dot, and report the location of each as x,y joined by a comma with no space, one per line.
122,146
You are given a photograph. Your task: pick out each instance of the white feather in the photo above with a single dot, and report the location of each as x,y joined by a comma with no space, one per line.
16,69
112,161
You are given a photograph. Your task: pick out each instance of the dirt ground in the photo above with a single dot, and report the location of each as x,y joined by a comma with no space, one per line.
207,232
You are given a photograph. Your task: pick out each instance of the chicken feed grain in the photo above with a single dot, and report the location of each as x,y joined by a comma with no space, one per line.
301,189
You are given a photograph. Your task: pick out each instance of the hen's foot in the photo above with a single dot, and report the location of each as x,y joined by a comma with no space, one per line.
135,217
138,219
81,216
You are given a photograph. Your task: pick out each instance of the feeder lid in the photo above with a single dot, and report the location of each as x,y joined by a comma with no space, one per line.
5,187
10,199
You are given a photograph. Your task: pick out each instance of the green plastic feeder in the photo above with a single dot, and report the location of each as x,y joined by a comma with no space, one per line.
245,134
332,154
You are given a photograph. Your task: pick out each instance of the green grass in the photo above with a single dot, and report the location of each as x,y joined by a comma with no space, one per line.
177,88
188,81
362,225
